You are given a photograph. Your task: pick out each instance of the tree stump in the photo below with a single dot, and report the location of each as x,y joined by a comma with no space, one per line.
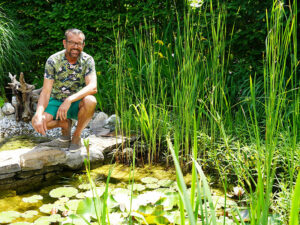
26,96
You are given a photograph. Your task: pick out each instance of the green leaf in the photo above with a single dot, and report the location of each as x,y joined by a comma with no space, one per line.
63,191
165,183
46,208
29,214
32,199
149,180
8,216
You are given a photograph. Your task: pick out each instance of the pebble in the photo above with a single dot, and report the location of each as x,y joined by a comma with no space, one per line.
10,127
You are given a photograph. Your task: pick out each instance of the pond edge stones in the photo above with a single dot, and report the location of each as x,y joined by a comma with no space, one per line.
24,169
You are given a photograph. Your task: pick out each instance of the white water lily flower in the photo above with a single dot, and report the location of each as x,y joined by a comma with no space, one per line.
123,200
238,191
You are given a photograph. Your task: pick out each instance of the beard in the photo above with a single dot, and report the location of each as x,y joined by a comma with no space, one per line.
74,53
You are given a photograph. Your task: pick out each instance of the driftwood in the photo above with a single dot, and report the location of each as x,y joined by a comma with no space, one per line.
26,97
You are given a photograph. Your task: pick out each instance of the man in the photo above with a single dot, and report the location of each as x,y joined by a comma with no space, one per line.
69,84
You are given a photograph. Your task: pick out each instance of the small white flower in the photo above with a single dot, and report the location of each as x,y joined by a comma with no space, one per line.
238,191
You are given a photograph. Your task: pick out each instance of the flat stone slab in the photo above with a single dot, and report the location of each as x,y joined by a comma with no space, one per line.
40,157
18,167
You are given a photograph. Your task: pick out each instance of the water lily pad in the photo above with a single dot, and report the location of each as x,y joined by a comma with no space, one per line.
152,186
84,186
61,201
63,191
174,186
21,223
165,183
32,199
99,192
149,180
165,190
46,208
47,220
29,214
150,197
120,191
80,195
219,202
8,216
227,221
72,204
137,187
171,200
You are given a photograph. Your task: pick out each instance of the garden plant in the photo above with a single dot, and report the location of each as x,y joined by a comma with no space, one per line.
196,101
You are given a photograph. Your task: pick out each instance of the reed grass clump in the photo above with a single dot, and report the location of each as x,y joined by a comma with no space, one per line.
175,83
13,50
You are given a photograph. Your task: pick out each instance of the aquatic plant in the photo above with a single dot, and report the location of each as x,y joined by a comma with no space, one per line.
8,216
63,191
13,50
32,199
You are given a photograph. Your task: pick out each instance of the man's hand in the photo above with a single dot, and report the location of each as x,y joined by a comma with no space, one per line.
63,110
39,124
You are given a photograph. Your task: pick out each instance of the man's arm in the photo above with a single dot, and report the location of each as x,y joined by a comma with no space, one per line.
38,122
89,89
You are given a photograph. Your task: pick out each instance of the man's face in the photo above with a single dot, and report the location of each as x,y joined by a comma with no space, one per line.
74,45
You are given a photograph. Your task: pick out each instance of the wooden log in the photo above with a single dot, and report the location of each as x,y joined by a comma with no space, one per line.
26,97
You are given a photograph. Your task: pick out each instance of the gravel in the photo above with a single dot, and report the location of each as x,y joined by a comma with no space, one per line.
10,127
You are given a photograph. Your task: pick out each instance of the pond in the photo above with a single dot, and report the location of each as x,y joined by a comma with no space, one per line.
10,201
154,195
17,142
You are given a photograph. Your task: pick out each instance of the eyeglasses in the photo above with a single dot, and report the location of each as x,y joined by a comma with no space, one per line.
72,43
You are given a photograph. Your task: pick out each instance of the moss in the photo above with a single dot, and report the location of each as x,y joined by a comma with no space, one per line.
23,141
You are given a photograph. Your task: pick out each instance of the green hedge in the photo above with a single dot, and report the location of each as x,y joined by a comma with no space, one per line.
44,22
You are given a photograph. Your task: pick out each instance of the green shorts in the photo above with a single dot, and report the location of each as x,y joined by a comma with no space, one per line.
54,104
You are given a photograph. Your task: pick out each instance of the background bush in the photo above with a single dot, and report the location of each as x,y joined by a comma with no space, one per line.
43,24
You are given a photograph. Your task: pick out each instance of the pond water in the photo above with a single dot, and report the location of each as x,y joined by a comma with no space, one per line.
16,142
11,201
154,190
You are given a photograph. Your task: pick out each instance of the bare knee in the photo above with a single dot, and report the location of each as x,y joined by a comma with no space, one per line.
89,102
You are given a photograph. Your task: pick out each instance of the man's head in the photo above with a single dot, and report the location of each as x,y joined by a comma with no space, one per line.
73,42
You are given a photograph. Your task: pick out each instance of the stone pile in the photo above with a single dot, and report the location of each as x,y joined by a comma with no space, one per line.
100,125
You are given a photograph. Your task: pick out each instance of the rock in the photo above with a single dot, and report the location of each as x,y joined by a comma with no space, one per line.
8,109
102,132
112,122
40,157
8,175
98,122
74,160
10,166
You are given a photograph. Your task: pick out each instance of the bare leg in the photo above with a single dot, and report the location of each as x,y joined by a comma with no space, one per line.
66,125
86,111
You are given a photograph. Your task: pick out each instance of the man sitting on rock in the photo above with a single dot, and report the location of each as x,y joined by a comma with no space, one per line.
69,84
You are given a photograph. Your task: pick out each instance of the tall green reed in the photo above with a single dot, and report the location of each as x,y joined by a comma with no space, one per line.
279,42
176,84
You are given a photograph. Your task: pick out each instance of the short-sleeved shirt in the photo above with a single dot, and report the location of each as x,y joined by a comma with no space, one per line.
68,78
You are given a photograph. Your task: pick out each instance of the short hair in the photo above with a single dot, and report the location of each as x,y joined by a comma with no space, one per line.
74,31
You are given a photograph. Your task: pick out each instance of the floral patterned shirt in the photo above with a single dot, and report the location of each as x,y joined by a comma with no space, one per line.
68,78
